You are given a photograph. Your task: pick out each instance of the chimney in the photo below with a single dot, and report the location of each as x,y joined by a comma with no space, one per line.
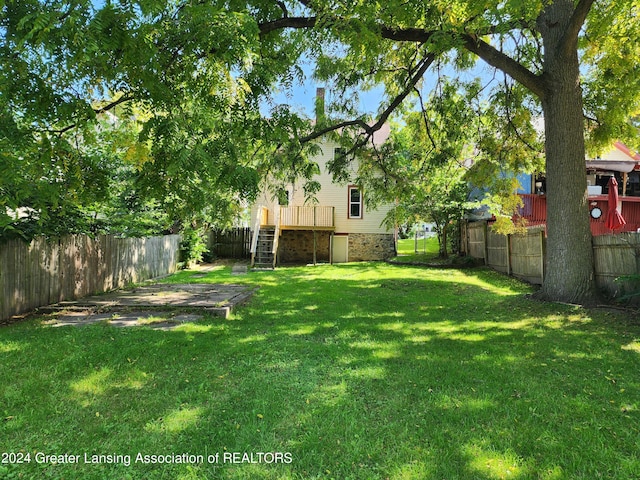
319,105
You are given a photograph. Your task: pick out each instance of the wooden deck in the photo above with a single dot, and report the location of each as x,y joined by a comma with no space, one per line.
534,210
304,218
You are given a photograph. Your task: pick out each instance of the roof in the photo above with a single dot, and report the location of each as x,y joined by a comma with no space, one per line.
619,159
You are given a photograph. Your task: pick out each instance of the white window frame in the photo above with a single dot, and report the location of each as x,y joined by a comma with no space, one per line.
350,203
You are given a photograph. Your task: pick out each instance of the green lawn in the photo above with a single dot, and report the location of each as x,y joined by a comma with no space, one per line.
423,248
356,371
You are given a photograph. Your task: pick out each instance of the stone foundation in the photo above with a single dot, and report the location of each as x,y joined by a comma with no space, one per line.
364,247
296,246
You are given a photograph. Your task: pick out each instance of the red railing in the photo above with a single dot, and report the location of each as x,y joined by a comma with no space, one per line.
534,210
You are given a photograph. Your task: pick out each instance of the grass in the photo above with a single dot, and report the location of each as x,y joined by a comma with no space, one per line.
426,252
423,248
355,371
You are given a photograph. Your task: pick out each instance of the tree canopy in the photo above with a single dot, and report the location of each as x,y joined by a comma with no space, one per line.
204,73
171,93
423,169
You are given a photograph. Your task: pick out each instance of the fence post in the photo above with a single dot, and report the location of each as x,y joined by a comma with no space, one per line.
542,256
508,239
485,230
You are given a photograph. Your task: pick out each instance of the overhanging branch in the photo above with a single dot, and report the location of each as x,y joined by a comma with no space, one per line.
505,63
370,130
287,22
422,68
338,126
97,111
472,42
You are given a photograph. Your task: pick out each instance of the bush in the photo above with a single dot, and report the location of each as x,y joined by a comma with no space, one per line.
193,246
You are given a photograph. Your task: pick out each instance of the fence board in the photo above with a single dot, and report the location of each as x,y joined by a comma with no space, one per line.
498,252
233,243
477,242
527,255
616,256
41,272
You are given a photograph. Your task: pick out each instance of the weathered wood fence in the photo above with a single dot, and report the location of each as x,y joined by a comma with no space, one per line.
231,243
44,272
524,255
617,256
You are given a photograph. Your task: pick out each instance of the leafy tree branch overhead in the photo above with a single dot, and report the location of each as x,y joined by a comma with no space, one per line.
555,50
205,72
187,80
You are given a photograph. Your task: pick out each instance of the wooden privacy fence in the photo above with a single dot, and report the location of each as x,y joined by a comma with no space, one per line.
232,243
617,256
519,255
523,256
44,272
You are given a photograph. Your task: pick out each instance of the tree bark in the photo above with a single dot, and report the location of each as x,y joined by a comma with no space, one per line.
442,238
570,273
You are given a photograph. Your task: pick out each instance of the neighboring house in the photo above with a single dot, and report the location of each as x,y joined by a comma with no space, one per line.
339,227
619,162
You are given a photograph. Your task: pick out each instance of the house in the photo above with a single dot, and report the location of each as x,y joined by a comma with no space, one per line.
619,162
339,227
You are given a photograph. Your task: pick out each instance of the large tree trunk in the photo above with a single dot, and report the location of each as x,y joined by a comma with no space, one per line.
569,269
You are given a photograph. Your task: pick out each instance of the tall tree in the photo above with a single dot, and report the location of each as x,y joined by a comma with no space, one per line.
565,53
194,78
574,58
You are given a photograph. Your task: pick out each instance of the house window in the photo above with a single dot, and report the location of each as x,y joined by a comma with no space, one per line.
355,202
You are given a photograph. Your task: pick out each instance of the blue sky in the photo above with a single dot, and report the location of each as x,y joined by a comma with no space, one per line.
302,96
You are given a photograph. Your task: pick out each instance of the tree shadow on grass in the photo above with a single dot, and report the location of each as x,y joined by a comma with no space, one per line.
360,375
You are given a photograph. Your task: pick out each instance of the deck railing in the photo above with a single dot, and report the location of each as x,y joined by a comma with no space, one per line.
307,217
534,210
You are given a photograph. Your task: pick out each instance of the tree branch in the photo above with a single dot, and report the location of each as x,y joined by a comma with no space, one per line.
425,119
338,126
570,37
283,7
472,42
423,66
287,22
508,65
97,111
112,105
369,130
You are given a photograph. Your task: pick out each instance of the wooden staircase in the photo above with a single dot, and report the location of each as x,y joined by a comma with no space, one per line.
264,244
264,256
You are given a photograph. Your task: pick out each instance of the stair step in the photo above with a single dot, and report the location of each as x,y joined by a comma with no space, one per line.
264,256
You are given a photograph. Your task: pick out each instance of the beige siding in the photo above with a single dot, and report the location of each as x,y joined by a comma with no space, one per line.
334,195
615,155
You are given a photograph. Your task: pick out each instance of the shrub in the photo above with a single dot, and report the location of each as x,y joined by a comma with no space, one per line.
193,246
